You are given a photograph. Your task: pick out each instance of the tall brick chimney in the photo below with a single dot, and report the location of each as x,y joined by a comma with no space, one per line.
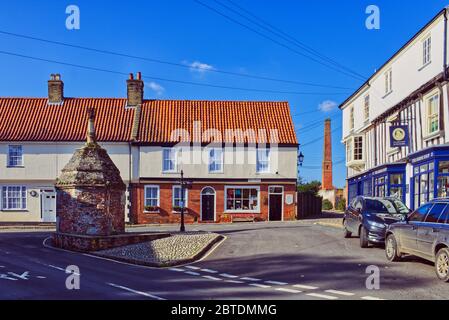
327,183
135,90
55,89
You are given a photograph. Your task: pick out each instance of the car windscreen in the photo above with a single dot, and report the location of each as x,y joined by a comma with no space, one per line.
388,206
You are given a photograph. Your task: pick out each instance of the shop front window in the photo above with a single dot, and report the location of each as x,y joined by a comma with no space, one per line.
352,192
424,180
368,188
397,186
380,186
443,179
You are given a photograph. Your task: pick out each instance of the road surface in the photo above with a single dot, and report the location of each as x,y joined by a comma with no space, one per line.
291,260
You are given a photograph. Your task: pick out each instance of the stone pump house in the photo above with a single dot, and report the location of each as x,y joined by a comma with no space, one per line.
38,137
91,193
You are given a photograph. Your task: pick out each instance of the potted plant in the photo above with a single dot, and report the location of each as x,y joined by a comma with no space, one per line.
177,209
151,209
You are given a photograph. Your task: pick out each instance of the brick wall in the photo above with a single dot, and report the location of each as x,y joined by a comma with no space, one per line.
193,213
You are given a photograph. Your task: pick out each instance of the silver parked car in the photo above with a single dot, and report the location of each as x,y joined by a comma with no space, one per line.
424,233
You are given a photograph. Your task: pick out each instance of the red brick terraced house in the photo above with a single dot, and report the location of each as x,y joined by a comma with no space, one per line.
239,158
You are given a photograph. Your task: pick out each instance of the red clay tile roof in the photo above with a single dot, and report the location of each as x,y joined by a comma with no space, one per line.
32,119
160,118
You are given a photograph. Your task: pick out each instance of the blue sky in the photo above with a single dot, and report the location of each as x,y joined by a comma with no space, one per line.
185,32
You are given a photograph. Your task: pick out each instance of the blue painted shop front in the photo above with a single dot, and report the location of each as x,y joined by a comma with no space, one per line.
384,181
430,178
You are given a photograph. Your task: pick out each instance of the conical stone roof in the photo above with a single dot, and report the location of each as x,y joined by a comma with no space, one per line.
90,166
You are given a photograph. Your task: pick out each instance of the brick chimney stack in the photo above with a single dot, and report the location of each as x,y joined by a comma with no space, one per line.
55,89
327,183
135,90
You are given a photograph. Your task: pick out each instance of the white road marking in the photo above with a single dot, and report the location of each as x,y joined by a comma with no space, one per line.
61,269
212,278
209,271
340,293
371,298
322,296
301,286
288,290
23,276
249,279
5,277
41,277
176,269
2,266
135,291
192,273
234,281
277,283
193,268
259,285
228,275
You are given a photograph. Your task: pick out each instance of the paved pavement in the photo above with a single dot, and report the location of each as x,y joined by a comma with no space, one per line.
292,260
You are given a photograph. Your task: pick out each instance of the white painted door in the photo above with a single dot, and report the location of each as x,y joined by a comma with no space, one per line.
48,199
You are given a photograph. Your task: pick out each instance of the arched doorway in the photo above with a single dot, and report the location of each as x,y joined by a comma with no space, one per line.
208,204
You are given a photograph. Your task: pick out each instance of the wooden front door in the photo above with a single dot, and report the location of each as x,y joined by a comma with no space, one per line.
276,195
208,205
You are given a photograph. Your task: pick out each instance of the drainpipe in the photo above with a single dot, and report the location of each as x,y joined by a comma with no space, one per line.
130,171
445,44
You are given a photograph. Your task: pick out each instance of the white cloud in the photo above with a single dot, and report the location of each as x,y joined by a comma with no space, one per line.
157,88
327,106
200,67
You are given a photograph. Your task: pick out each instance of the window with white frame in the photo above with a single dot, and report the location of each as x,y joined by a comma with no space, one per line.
14,198
151,197
242,199
178,198
351,118
427,50
433,114
169,160
388,81
349,150
15,156
366,107
263,160
354,149
358,148
216,160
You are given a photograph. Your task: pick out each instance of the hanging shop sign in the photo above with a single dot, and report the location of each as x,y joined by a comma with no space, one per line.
399,136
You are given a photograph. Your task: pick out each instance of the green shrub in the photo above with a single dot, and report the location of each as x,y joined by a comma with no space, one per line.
341,205
327,205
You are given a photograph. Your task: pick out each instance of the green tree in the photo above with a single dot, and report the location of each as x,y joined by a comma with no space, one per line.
309,187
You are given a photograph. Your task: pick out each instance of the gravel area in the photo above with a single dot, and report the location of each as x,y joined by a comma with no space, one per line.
174,250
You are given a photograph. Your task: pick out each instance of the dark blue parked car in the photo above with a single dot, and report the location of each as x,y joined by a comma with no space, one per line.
368,218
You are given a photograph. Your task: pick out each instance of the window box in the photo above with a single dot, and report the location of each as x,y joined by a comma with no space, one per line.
178,209
152,209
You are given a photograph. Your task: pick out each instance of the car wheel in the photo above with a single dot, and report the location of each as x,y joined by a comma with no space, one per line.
442,264
363,238
391,249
